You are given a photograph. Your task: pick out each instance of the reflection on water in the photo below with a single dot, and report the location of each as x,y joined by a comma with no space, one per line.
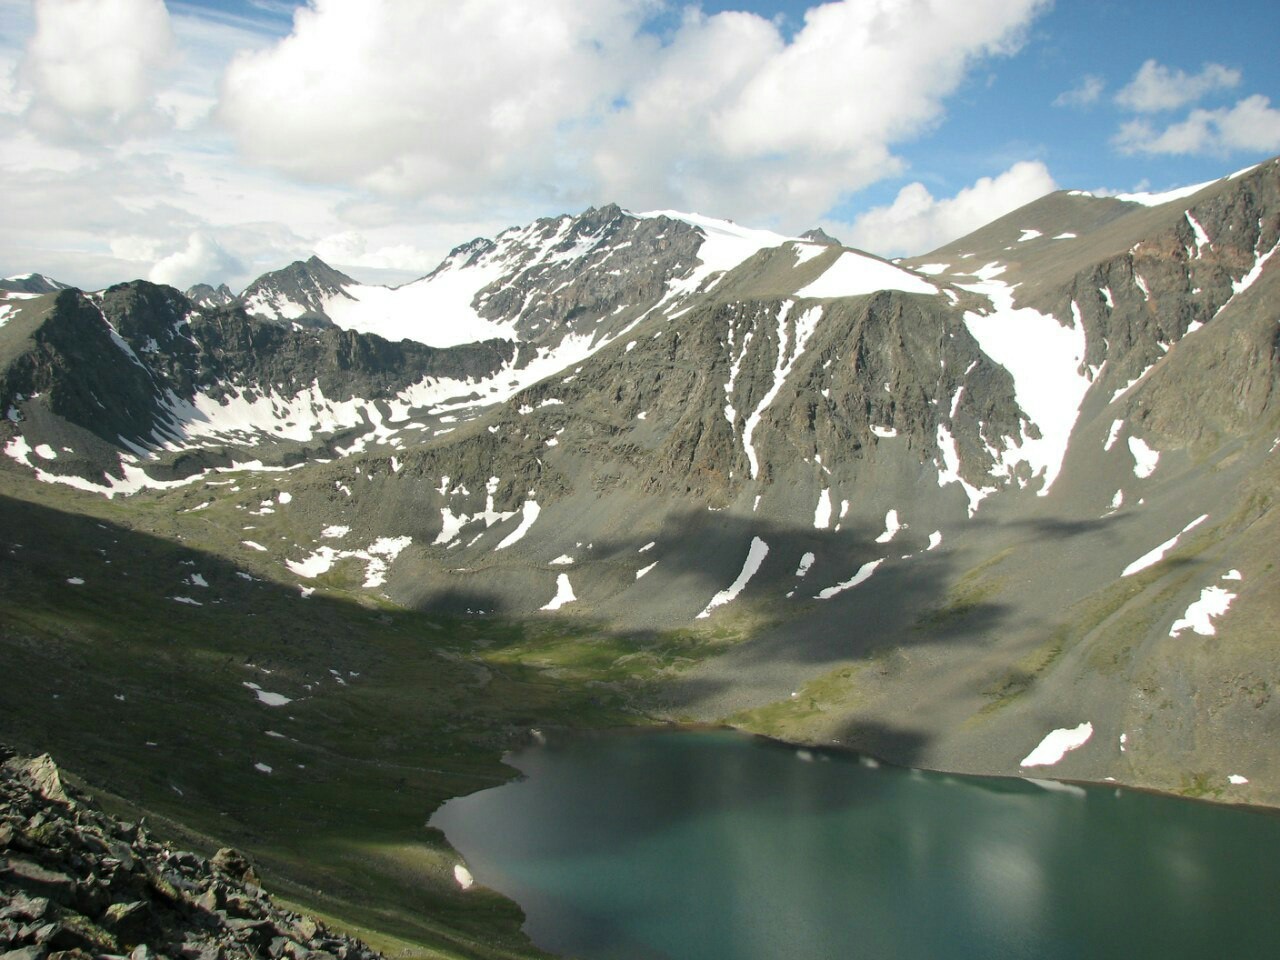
714,845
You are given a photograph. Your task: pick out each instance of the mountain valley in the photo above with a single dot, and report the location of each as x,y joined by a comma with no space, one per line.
288,569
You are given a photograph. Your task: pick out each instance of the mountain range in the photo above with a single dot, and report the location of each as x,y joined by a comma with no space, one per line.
1005,508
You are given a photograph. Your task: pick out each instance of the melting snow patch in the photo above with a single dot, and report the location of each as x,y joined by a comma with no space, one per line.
648,546
1114,434
1144,458
862,576
262,768
1044,358
267,697
188,601
1213,603
1156,555
822,515
854,274
284,497
643,570
530,512
564,593
1233,575
755,557
1057,745
1065,236
1028,234
885,433
563,560
805,325
935,540
807,251
891,527
197,580
254,546
46,452
463,876
75,581
1236,780
805,563
333,533
949,472
1155,199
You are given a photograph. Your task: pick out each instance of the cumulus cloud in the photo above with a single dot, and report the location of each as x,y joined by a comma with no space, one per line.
1156,88
1251,125
394,96
1084,94
91,65
916,222
350,248
202,260
577,101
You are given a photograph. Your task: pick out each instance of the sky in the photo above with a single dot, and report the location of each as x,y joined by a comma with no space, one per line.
213,140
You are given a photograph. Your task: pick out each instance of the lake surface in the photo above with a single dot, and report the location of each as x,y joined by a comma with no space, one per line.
713,845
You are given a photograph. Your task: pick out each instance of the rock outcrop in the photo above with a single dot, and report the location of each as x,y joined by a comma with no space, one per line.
76,883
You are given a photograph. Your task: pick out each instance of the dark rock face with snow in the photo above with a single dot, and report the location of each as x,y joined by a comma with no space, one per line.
76,883
32,283
203,295
1020,484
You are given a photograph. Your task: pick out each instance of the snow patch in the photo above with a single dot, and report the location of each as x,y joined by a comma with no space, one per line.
564,593
643,570
1144,458
1057,744
1213,603
854,274
529,513
1028,234
1156,199
822,514
885,433
806,562
862,576
1155,556
805,325
267,697
755,557
1113,434
1044,358
462,876
891,527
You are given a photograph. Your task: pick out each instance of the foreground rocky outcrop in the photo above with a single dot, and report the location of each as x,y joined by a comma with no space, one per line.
76,883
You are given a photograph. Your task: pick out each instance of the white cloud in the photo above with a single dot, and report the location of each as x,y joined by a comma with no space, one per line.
1251,125
428,97
916,222
1155,87
92,64
577,102
351,249
1087,92
202,260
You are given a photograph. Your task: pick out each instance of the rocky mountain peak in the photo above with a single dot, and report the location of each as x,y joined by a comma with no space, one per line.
818,235
33,283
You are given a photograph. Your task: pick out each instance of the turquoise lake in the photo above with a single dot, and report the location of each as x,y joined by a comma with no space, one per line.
714,845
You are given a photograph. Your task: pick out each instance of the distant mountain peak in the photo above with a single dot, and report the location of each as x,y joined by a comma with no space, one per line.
818,235
32,283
